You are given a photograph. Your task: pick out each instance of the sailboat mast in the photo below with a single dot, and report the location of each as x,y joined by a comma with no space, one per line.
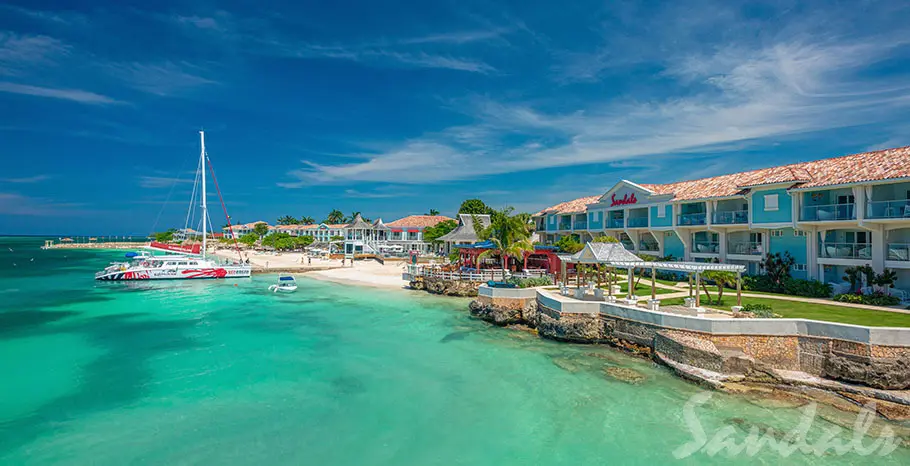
205,214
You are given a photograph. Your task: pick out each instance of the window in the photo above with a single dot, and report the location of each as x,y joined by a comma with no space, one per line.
661,211
799,267
845,199
777,233
669,234
771,202
799,233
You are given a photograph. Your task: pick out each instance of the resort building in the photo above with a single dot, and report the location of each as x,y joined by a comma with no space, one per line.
464,233
321,233
242,229
393,238
828,214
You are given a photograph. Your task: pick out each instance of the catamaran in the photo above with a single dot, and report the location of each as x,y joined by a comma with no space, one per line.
180,262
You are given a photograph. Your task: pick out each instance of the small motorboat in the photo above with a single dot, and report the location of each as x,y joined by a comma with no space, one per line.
286,284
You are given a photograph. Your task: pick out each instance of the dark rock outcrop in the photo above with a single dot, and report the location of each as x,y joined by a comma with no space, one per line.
886,374
505,315
579,328
445,287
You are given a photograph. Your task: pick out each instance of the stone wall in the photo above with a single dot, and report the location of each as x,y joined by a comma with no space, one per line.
506,310
878,366
445,287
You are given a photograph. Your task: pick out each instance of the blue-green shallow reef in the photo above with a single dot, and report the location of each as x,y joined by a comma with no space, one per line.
213,373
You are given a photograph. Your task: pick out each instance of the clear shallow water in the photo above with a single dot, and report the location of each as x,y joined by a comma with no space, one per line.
212,373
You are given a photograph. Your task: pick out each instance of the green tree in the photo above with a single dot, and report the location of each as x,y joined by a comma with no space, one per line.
334,217
287,220
721,279
605,239
475,207
261,229
510,235
165,236
433,212
777,267
248,239
304,241
569,244
336,238
432,234
307,220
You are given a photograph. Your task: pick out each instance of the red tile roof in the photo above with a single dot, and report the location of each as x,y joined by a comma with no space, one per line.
574,206
419,221
867,166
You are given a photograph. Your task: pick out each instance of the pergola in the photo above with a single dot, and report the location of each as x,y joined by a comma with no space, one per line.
617,256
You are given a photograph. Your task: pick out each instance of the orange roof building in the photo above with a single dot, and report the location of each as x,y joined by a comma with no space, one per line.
828,214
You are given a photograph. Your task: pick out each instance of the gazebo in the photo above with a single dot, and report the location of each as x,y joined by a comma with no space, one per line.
615,255
464,233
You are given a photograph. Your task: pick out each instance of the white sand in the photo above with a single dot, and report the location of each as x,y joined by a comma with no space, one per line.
363,272
283,261
369,273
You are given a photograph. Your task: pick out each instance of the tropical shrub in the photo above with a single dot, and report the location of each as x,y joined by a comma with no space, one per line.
530,282
790,286
762,311
777,267
569,245
249,239
874,299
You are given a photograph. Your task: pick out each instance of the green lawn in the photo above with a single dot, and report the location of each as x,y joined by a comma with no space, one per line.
644,288
826,312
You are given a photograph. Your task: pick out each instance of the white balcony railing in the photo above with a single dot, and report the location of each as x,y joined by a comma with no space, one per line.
846,251
692,219
733,217
830,212
616,223
745,248
705,247
899,252
888,209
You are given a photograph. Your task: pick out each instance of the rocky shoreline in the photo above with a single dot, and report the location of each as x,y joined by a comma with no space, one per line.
847,381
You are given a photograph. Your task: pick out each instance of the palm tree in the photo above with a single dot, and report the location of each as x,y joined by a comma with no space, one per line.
307,220
433,212
287,220
510,235
334,217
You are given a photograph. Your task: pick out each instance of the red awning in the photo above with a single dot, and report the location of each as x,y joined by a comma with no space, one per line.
396,230
413,230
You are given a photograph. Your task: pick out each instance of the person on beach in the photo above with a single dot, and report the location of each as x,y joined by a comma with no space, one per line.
309,261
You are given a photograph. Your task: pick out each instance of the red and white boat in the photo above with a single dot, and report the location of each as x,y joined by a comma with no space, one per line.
183,261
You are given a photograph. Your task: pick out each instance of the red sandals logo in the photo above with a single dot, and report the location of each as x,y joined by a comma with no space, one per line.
625,200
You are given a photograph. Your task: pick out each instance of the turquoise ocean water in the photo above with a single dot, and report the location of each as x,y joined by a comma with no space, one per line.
213,373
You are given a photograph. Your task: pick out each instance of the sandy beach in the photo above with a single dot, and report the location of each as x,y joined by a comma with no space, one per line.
363,272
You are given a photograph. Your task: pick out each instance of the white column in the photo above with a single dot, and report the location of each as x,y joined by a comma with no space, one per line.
722,245
812,254
710,207
879,248
859,195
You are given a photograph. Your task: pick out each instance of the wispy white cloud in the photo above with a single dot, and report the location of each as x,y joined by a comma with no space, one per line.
730,98
163,79
27,179
75,95
385,56
22,53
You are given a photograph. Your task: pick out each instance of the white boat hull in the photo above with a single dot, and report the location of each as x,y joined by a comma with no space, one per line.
283,289
195,273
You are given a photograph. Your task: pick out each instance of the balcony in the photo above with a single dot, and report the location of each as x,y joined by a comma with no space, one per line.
565,226
846,251
734,217
745,248
705,247
616,223
899,252
581,225
648,246
638,222
889,209
830,212
630,246
692,219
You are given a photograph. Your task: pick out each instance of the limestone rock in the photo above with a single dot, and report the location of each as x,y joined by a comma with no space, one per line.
624,374
887,374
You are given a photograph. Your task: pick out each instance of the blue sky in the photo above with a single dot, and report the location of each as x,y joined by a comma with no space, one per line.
394,108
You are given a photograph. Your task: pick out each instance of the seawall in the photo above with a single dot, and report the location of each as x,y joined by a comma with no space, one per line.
871,361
